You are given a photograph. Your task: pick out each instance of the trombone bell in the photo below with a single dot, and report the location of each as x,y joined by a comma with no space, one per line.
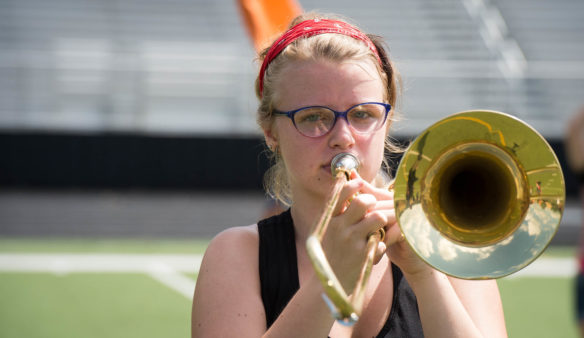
479,195
474,194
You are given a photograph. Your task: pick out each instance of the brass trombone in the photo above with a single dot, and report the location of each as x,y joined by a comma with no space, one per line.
478,195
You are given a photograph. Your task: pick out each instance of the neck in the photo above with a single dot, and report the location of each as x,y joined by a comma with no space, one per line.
306,211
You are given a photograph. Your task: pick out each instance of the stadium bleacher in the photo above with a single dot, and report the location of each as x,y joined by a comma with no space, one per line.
147,94
185,67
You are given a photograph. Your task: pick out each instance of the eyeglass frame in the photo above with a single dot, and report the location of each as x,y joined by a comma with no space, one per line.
290,114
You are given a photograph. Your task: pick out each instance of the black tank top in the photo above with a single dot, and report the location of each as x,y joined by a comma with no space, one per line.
279,281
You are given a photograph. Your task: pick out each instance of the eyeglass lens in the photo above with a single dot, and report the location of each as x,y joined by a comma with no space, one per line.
317,121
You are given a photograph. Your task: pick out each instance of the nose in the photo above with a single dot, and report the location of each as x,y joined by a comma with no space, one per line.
341,136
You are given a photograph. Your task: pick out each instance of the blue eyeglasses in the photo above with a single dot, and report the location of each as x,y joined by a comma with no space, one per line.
315,121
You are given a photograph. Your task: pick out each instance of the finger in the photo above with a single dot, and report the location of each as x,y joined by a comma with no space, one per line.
371,223
384,205
367,221
385,208
359,208
379,193
349,190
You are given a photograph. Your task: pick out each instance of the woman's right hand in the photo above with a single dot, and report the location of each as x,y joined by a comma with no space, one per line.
354,218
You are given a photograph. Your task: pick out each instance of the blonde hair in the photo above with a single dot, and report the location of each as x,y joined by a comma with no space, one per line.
332,47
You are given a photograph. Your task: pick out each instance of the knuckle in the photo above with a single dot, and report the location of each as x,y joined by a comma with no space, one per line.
377,218
364,200
391,218
359,203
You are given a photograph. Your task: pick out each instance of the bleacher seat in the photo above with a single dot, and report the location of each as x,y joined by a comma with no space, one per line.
187,67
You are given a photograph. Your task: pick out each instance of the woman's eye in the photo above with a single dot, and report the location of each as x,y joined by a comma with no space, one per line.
311,118
361,114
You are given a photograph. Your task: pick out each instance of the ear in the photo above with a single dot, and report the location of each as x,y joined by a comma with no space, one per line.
271,137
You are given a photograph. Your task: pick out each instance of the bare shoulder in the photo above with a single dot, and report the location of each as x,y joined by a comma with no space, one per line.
233,246
242,235
227,289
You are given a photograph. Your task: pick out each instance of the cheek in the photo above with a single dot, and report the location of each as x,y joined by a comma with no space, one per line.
375,152
293,150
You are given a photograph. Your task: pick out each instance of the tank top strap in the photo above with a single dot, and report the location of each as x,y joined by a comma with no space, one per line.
278,267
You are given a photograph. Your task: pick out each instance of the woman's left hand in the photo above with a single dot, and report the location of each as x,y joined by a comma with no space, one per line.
400,252
394,245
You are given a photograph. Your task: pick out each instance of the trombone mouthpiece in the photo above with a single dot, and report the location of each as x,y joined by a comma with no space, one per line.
344,162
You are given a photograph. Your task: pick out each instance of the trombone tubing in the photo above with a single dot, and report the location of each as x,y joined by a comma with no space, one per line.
341,178
346,309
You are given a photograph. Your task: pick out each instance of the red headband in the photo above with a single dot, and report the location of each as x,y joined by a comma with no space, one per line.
309,28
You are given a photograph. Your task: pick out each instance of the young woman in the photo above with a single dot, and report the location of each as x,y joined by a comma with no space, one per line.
327,88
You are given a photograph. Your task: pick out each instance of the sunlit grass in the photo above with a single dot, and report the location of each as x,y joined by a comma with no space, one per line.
90,305
135,305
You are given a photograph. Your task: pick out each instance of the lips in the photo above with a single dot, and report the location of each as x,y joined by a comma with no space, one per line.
327,168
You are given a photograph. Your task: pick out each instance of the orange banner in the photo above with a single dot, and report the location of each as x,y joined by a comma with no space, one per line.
266,19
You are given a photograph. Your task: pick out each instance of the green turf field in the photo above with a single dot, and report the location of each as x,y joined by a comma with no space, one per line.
122,304
90,305
538,307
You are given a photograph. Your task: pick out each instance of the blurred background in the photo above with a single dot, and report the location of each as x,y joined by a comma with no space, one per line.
134,119
120,99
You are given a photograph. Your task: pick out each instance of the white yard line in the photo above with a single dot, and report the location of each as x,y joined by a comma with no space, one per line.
174,280
168,269
549,267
